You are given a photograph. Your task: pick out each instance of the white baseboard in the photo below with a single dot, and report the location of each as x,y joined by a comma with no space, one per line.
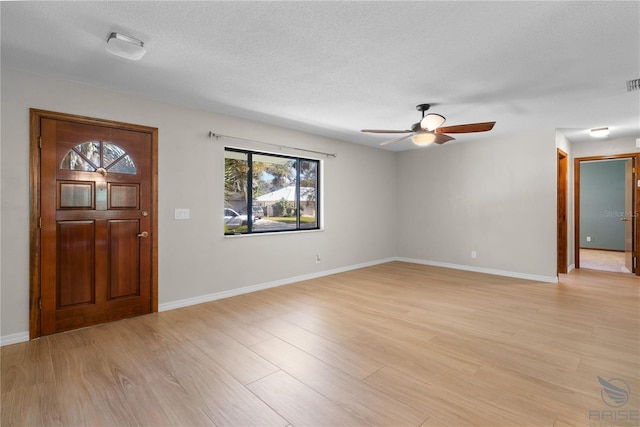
24,336
571,267
261,286
526,276
14,338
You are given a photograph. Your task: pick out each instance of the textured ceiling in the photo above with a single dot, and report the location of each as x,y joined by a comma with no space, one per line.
333,68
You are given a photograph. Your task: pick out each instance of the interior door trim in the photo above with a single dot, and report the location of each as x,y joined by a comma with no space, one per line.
563,247
576,196
35,117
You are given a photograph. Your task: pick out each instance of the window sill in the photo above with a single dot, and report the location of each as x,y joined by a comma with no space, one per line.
271,233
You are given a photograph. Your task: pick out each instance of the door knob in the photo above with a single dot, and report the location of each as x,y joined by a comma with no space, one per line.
144,234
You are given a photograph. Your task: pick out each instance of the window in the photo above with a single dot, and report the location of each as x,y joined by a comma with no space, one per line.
95,155
269,193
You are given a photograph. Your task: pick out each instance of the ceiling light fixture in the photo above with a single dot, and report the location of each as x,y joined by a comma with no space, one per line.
599,132
432,121
125,46
423,138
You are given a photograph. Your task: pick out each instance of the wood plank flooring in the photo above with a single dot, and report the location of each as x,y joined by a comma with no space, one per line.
396,344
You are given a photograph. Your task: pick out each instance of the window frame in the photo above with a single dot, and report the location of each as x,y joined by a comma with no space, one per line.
249,207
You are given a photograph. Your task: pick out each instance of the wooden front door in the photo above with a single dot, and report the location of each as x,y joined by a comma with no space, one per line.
97,260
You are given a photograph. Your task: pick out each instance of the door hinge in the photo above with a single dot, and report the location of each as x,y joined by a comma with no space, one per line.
40,141
40,303
40,222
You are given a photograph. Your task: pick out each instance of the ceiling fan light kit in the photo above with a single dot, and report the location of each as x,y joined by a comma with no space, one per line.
428,130
422,139
125,46
432,121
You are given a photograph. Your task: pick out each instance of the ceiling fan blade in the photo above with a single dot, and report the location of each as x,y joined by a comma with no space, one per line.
441,138
385,131
395,140
468,128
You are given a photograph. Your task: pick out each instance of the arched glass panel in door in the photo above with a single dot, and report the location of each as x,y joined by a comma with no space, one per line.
94,155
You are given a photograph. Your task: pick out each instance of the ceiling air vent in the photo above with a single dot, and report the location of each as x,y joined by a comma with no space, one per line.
633,85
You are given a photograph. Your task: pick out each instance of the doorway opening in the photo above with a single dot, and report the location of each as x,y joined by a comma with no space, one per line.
607,202
603,260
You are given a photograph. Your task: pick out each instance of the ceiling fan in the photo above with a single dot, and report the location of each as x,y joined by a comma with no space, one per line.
429,130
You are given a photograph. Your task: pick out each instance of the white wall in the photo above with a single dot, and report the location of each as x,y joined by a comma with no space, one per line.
607,147
195,259
495,196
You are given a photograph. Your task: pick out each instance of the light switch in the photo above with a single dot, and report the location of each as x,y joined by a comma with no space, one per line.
182,214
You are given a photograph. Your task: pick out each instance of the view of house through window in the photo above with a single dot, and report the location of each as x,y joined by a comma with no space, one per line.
267,192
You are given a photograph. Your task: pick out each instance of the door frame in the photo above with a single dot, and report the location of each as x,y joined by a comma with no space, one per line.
636,197
35,116
563,183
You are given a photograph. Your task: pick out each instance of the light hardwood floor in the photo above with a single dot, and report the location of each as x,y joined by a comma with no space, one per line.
391,345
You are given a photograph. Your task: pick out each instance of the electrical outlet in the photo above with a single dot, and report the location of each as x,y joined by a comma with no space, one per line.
588,238
474,254
318,259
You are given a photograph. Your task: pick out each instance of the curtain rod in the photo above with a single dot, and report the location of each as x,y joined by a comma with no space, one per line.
218,136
